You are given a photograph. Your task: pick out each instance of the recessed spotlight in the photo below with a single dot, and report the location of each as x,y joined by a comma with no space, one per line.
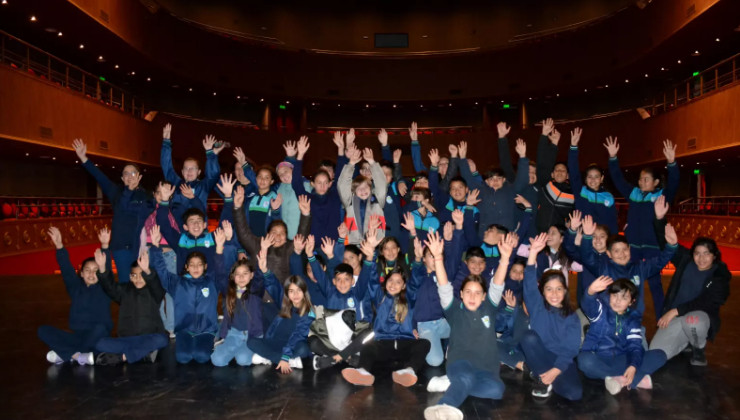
449,104
190,89
33,18
339,104
367,105
59,34
365,37
502,101
626,80
646,75
262,100
148,79
662,69
116,66
101,59
557,94
5,1
113,166
695,53
27,154
313,103
77,161
678,61
606,86
719,159
530,98
53,158
238,97
394,105
133,73
82,46
287,102
476,103
716,39
585,90
421,106
425,36
214,93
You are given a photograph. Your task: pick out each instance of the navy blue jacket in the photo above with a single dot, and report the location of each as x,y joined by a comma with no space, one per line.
598,204
611,334
90,305
297,269
201,188
353,299
290,331
248,308
326,210
385,325
427,296
529,191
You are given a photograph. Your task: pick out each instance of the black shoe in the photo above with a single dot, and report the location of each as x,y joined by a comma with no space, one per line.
353,361
322,362
108,359
697,357
688,349
151,357
540,390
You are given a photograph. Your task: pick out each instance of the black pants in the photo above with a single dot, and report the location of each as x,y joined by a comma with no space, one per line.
318,347
412,353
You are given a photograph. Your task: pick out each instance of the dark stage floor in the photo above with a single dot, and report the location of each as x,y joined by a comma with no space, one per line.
32,388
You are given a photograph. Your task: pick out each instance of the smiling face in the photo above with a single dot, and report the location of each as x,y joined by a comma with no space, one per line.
190,170
458,191
554,238
343,282
599,240
619,253
353,260
394,284
285,173
295,294
242,276
264,180
703,258
421,182
321,183
279,234
444,164
594,178
476,265
194,225
136,278
517,272
620,301
363,191
532,174
195,267
472,295
554,292
560,173
495,182
89,273
129,174
390,251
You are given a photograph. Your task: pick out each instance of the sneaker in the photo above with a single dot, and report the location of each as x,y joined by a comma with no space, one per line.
259,360
322,362
295,363
358,376
85,359
614,384
53,357
172,335
442,412
687,349
438,384
353,361
151,357
541,390
108,359
646,382
405,377
698,358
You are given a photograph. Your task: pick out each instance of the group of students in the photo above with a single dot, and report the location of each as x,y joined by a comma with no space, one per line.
371,268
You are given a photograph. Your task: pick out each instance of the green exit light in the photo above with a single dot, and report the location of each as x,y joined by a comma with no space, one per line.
696,172
507,106
696,73
282,106
102,78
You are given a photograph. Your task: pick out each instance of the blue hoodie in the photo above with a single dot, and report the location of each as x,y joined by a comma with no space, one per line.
290,331
247,309
598,204
611,334
353,299
385,325
201,188
90,304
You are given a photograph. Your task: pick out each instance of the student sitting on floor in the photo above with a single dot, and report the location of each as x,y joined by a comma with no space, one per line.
140,330
89,313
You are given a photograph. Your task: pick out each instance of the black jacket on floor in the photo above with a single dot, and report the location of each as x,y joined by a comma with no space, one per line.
139,308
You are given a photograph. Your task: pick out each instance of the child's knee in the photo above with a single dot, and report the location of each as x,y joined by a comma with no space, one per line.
244,358
219,360
183,357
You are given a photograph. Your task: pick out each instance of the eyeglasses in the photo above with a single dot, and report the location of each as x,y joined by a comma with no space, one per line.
130,173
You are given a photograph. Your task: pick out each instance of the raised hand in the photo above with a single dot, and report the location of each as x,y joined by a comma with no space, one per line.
220,236
612,146
304,205
661,207
100,260
339,141
458,217
547,126
519,199
383,137
327,246
434,157
228,229
299,243
575,136
226,186
538,243
669,151
435,244
209,141
447,231
471,165
342,230
262,260
453,150
155,235
186,191
463,149
350,139
506,246
276,202
414,131
354,155
510,298
267,241
310,245
368,248
418,249
167,131
290,148
670,235
80,149
472,199
521,148
554,136
408,223
589,226
402,189
143,261
599,285
56,237
367,154
239,155
104,237
239,197
503,130
302,147
575,220
166,191
397,155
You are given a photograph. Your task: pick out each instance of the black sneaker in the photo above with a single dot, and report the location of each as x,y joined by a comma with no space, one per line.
322,362
697,357
151,357
540,390
354,361
108,359
688,349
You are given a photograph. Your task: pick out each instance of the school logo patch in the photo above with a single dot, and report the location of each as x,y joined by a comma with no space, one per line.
207,243
389,199
607,202
636,280
206,291
350,302
486,321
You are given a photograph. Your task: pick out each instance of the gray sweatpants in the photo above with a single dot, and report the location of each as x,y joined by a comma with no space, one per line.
691,329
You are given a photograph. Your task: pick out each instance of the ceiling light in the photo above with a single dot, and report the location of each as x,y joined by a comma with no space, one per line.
365,37
557,94
716,39
626,80
425,36
394,105
313,103
679,61
502,101
214,93
606,86
82,46
53,158
367,106
476,103
449,105
101,59
6,2
133,73
116,66
530,98
696,53
59,34
33,18
646,75
287,102
339,104
421,106
662,69
262,99
585,90
238,97
148,79
27,154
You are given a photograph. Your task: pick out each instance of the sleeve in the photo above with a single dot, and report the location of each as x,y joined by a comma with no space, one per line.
416,157
471,180
247,239
415,280
453,253
165,160
223,263
524,224
344,185
169,281
522,175
656,264
299,334
495,291
380,185
304,225
504,159
589,257
571,343
297,181
163,220
571,249
532,296
434,181
110,189
672,183
547,154
213,171
618,180
397,172
251,176
322,278
712,297
368,281
635,351
295,263
386,154
445,296
271,285
227,211
452,171
154,285
592,307
72,281
109,286
470,226
574,172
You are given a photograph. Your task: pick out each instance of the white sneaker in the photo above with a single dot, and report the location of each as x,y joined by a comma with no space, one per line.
405,377
53,357
614,384
295,363
172,335
85,359
259,360
358,376
438,384
443,412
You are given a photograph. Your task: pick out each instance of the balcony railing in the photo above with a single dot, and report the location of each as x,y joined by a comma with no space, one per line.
14,208
715,206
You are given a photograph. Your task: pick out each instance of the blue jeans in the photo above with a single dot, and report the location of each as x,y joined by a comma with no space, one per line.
65,343
272,350
196,347
654,282
135,347
509,353
466,380
599,367
233,347
124,258
167,308
540,360
434,332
